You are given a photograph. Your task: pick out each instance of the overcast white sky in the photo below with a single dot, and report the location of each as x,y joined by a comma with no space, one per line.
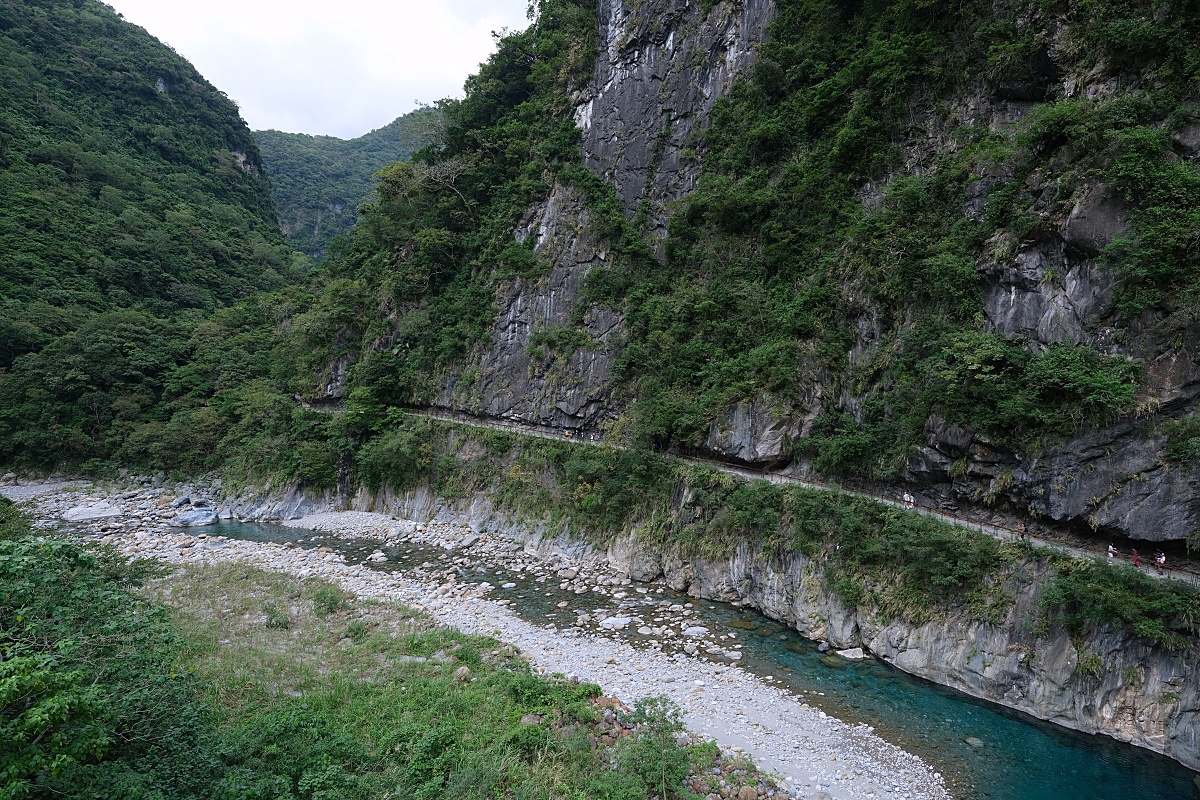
338,67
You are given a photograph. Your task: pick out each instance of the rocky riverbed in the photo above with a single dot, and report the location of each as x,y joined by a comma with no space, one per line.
815,755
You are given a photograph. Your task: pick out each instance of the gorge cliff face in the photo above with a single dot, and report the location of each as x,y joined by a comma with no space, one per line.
661,68
1100,680
515,379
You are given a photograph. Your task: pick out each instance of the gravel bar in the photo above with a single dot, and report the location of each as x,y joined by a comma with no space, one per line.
816,756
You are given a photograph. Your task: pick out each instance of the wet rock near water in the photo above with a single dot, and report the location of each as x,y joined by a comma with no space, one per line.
195,519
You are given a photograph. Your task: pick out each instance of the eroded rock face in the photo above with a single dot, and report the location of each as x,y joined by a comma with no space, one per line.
1116,479
662,66
524,374
1112,478
1043,295
758,432
1125,687
1188,138
1140,694
1095,221
287,502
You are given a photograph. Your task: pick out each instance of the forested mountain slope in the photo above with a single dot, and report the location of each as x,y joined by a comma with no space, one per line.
319,181
133,202
948,245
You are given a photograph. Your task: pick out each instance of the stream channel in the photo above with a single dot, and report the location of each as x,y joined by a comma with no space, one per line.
1021,758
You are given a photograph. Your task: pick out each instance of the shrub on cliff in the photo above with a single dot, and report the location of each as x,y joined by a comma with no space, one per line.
1098,593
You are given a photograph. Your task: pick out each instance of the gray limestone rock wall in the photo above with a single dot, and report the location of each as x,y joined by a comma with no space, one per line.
1115,478
758,432
661,68
1054,288
1141,694
526,373
270,503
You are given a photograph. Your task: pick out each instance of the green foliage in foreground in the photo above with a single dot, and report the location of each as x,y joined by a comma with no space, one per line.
104,695
90,706
320,181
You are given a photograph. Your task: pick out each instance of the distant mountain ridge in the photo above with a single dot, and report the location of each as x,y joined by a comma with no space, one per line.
129,180
319,181
133,205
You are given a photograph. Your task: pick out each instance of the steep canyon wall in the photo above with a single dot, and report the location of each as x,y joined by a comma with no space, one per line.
662,65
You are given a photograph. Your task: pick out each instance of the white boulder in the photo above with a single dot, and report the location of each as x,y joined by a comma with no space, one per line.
615,623
101,510
192,519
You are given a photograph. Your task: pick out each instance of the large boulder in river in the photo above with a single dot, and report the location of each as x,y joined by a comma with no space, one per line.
101,510
190,519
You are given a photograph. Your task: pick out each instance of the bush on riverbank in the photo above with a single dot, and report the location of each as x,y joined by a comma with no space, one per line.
903,562
106,693
89,703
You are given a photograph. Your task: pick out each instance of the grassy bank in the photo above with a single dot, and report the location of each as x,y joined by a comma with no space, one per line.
229,682
901,563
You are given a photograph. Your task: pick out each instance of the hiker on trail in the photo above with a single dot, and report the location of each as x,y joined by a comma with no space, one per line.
909,501
1022,533
1135,558
1112,551
1160,561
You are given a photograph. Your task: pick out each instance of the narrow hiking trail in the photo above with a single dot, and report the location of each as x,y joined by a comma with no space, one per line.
1000,532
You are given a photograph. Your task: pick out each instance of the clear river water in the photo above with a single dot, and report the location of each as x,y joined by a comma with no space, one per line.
1021,758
